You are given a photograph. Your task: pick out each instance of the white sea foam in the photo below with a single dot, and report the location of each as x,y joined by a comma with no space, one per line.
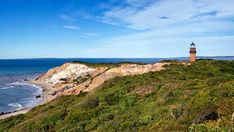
29,102
16,106
17,83
22,84
14,84
8,87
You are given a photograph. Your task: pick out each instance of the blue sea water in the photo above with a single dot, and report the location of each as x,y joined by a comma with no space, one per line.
16,93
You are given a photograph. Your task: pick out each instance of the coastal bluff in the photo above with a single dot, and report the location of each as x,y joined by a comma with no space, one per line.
73,78
178,96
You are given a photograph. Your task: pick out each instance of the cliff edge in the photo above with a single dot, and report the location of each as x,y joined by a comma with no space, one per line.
72,78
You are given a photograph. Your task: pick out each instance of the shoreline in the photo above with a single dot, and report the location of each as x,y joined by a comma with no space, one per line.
14,113
45,97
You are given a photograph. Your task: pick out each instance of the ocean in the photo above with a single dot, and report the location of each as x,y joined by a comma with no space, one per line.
16,93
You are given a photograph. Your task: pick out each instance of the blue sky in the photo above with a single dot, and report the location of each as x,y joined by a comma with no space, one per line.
115,28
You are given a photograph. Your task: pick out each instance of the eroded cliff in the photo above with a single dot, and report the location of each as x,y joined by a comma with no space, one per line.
72,78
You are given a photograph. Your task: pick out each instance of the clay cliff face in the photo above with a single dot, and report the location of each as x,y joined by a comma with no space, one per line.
72,78
68,71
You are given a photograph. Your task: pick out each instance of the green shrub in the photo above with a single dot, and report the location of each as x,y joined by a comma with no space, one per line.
90,103
82,79
111,99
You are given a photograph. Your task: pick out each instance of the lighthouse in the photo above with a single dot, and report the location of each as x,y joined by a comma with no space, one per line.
192,52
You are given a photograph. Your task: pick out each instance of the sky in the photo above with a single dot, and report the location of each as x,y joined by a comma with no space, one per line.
115,28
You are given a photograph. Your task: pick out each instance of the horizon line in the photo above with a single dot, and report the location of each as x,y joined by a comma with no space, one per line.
107,57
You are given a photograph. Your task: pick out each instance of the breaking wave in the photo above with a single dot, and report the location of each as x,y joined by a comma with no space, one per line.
8,87
16,106
22,84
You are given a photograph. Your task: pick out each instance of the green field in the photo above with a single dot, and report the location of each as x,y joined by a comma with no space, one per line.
199,97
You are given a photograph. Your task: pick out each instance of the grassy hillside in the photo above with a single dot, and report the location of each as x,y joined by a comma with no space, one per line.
199,97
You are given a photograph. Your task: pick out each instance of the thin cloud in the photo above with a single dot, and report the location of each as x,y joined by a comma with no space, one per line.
165,24
179,12
68,18
71,27
91,34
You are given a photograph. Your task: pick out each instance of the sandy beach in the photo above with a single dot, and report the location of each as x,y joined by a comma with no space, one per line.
45,97
14,113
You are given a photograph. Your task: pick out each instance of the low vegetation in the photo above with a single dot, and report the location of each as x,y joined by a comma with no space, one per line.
198,97
109,65
82,79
